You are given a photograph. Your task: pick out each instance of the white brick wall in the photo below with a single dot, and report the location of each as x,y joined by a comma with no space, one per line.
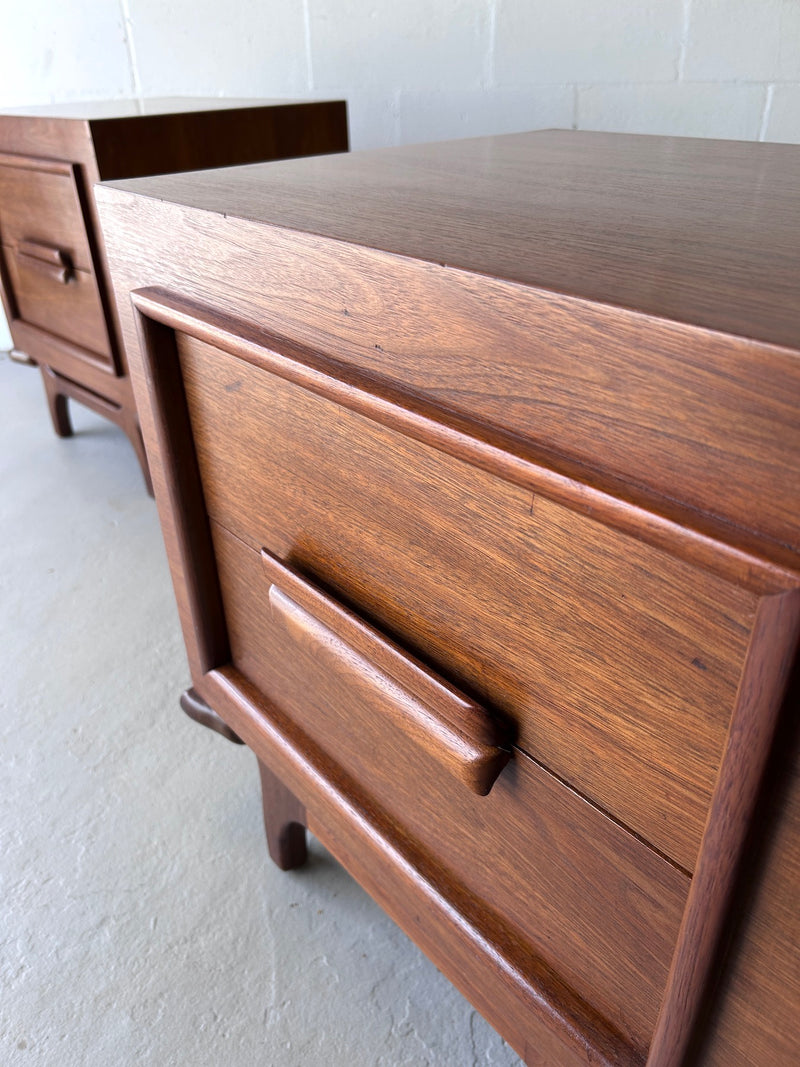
416,70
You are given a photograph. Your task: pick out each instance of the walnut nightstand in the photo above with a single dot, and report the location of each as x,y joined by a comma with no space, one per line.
55,283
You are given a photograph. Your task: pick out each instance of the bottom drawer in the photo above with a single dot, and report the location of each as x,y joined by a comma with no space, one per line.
601,908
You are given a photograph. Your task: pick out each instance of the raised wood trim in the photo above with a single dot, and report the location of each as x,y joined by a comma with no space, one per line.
182,510
772,652
97,373
41,163
499,454
383,859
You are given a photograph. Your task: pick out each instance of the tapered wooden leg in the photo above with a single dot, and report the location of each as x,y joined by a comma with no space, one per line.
57,403
284,822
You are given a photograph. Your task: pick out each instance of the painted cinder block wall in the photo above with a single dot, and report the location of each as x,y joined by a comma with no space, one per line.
415,70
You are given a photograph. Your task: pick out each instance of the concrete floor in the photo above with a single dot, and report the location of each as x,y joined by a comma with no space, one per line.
140,919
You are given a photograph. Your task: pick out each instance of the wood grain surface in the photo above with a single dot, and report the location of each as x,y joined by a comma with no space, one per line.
66,306
540,1015
38,202
48,165
617,665
587,390
630,221
538,427
466,740
754,1016
770,659
570,880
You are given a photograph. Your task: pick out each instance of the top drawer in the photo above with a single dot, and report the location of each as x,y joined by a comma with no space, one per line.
616,664
39,202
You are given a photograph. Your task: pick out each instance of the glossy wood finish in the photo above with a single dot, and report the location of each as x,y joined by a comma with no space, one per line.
456,731
581,515
568,880
497,589
284,822
754,1016
197,710
40,199
58,299
618,221
517,990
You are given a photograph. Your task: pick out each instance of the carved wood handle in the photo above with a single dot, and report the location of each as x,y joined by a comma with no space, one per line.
455,730
48,259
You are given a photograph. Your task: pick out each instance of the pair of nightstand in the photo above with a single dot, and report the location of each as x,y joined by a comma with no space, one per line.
53,272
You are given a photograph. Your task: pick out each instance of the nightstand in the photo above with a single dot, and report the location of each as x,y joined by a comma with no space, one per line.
55,283
478,467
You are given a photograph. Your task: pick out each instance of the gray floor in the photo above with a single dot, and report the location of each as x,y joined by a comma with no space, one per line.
140,920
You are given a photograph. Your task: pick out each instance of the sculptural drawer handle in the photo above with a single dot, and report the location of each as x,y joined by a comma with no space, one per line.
47,259
455,730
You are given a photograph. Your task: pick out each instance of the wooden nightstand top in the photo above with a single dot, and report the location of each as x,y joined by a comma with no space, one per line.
706,233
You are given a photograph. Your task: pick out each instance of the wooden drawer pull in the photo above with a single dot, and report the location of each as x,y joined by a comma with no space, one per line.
456,731
48,259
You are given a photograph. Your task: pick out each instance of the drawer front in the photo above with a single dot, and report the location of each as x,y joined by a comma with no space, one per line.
616,665
56,298
600,907
39,202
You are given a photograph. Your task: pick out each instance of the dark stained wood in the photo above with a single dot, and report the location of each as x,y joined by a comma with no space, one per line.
497,591
48,165
571,882
66,304
56,403
540,1015
621,220
181,507
456,731
63,356
581,514
284,822
560,373
729,553
148,144
48,254
754,1017
39,202
771,656
197,709
59,389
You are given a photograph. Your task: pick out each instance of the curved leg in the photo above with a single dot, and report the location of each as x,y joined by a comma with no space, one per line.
196,708
284,822
57,403
284,815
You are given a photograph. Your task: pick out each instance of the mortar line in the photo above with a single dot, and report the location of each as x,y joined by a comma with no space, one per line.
684,41
762,133
307,33
136,84
491,44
